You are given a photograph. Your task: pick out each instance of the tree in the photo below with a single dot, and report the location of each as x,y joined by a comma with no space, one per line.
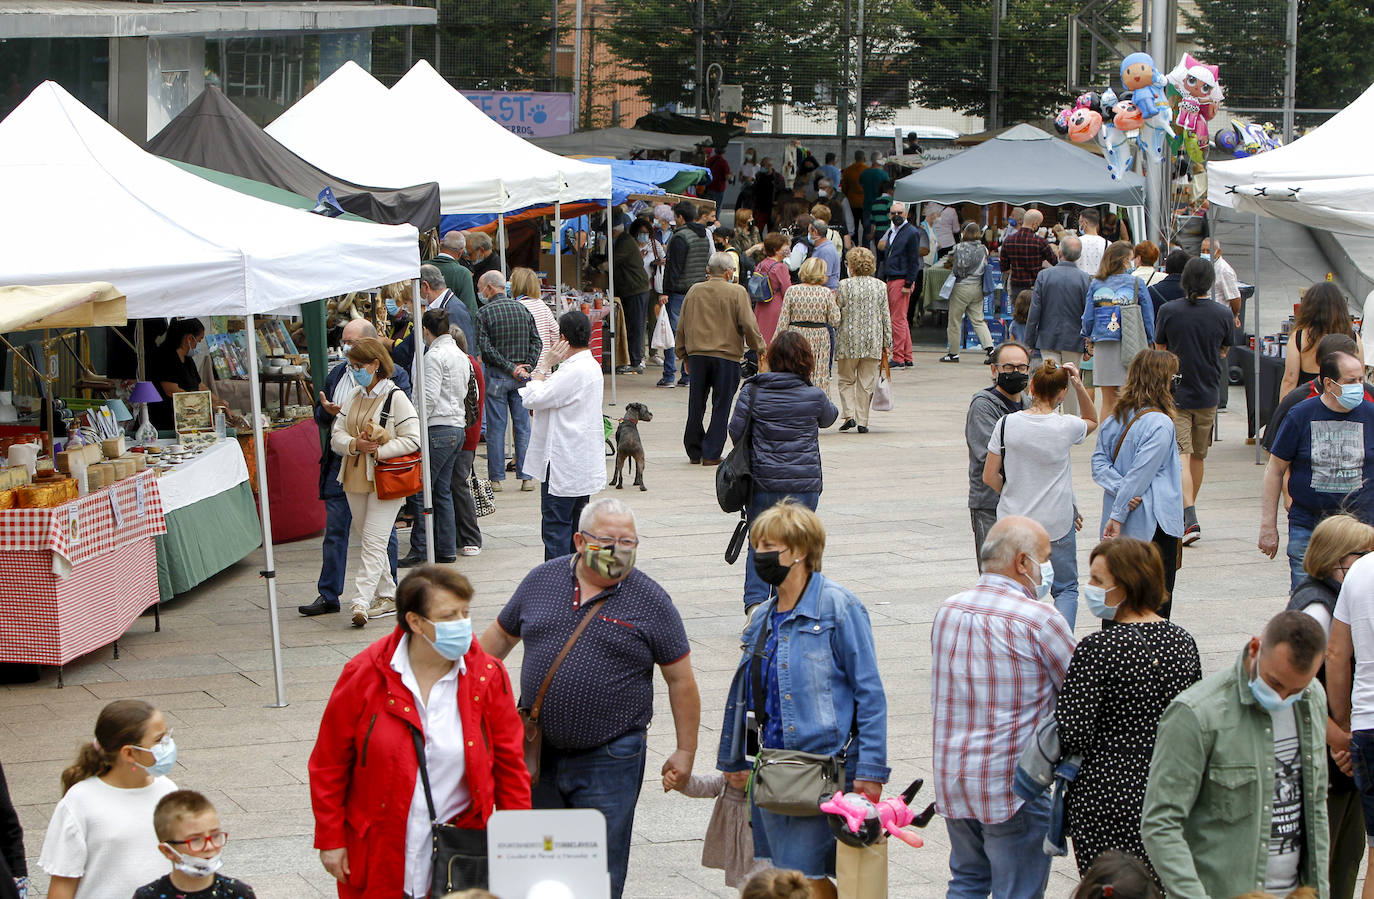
483,45
1228,36
1333,65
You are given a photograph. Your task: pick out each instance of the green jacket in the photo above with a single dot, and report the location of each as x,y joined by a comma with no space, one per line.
1206,819
459,280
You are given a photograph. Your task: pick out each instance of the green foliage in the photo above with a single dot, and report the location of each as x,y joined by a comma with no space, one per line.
1229,33
1334,65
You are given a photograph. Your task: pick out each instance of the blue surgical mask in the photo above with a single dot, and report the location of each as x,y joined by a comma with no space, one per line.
1096,598
346,348
164,754
1267,696
1351,396
391,307
362,376
1207,256
451,638
1042,589
643,239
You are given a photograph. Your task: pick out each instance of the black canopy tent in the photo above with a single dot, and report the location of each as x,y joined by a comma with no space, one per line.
214,133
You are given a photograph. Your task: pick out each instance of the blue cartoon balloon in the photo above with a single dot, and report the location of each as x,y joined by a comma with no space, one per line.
1143,83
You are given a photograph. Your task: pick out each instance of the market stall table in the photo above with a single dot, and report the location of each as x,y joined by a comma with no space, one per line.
1271,376
212,519
73,577
932,280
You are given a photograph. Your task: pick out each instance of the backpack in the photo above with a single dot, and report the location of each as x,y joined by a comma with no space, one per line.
760,288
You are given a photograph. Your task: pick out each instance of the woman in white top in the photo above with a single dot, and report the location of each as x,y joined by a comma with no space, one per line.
376,422
1029,465
100,841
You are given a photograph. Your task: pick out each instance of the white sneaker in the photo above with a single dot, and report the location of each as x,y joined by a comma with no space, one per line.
471,550
526,486
381,607
359,614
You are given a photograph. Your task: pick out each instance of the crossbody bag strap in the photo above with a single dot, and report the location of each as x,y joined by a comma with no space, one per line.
386,407
563,654
424,771
1122,439
756,668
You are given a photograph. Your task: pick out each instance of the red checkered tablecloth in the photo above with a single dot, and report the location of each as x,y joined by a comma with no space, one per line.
87,527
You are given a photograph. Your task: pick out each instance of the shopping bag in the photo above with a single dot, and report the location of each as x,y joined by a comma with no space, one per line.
663,331
948,287
882,391
861,871
483,497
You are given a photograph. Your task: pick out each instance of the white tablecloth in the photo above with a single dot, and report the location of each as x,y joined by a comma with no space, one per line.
214,471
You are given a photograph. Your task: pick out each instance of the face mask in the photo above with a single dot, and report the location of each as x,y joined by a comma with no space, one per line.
609,561
346,347
194,865
391,307
362,376
1267,696
1012,382
1096,597
1042,589
769,569
1351,396
164,754
452,639
643,239
898,220
1207,256
822,194
507,287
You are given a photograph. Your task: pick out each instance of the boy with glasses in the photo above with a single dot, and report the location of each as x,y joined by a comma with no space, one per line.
189,835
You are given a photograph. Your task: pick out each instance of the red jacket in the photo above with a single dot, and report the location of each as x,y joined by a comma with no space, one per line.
363,767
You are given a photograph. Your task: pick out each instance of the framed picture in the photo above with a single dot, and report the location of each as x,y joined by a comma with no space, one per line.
192,411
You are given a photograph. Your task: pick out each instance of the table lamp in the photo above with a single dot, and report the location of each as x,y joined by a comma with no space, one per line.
145,393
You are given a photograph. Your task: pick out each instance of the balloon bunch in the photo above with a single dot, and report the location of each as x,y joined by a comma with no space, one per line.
1140,114
1248,140
1199,94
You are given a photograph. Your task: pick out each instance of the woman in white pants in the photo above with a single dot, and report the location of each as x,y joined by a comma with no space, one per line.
375,421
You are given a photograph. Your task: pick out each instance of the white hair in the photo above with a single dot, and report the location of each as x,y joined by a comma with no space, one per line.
1005,542
606,506
431,276
492,278
720,263
454,241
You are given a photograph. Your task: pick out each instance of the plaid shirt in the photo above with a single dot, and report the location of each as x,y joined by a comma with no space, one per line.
507,335
1000,658
1022,253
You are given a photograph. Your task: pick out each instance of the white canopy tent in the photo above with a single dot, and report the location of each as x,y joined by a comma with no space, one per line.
177,245
1323,180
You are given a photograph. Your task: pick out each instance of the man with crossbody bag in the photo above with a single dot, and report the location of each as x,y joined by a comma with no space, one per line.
594,628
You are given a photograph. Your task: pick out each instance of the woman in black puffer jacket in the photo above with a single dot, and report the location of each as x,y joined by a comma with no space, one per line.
785,450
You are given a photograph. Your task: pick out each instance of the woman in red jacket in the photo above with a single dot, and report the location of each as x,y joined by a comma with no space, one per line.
372,823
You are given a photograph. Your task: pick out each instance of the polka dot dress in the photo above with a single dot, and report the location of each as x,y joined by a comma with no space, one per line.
1118,684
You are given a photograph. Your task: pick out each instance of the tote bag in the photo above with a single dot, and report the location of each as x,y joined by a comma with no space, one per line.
882,391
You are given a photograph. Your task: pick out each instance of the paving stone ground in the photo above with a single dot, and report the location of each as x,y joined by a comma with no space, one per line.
898,536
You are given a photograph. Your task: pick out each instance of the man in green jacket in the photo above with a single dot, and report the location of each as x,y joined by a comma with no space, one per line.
456,275
1236,800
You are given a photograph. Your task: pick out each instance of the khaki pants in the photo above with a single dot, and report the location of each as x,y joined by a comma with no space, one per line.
373,520
858,377
1070,398
966,299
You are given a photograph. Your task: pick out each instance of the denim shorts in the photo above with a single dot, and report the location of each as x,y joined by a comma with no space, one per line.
1362,757
799,843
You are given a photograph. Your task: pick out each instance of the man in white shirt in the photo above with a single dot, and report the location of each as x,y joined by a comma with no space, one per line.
946,227
1094,244
566,452
1350,677
1226,288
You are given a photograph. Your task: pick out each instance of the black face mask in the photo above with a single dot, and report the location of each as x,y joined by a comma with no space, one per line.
1012,382
898,220
769,569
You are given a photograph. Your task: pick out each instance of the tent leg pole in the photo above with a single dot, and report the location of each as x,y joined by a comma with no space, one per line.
269,565
610,286
501,235
1259,346
557,249
418,389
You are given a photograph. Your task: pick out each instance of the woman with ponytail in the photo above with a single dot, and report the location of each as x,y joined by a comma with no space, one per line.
100,841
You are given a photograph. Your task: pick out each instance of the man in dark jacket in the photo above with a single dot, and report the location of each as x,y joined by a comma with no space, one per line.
338,519
456,275
1010,375
435,295
482,255
1170,287
688,250
1055,320
632,288
904,244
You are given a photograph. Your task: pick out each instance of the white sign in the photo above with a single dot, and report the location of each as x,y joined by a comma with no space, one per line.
535,849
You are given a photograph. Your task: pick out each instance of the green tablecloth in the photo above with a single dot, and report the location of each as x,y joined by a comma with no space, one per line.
931,283
205,538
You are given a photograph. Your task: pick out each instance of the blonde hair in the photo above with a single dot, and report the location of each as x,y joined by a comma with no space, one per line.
524,283
861,262
777,883
813,271
822,212
1336,537
794,526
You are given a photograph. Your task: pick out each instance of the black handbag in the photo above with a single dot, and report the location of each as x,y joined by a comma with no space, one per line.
734,483
458,855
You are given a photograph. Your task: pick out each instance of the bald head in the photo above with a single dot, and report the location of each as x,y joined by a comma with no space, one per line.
356,330
1034,219
1070,248
1014,546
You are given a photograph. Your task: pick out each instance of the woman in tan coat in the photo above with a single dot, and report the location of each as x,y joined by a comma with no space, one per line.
808,307
863,341
375,422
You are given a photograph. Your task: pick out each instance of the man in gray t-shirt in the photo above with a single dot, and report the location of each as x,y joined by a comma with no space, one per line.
1010,373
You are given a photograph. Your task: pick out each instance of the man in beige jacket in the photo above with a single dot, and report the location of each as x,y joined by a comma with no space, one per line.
717,321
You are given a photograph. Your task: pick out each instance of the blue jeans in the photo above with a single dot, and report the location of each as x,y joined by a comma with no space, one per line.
502,398
1064,556
1003,860
755,590
444,443
464,507
1298,538
338,520
606,778
670,354
558,520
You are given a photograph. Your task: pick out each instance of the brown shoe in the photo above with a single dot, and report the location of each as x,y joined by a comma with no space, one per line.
710,461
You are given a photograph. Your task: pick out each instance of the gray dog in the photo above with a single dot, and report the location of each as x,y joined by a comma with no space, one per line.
629,446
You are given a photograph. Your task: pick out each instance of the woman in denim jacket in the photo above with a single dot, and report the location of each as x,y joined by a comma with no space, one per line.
820,685
1114,285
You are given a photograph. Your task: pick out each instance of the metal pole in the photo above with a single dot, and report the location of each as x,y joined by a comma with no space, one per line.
842,119
1157,173
418,380
553,48
700,78
994,120
577,69
1259,344
501,236
610,285
859,78
557,247
1290,75
269,572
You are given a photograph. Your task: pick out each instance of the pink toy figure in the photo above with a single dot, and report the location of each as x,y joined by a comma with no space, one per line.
865,820
1199,91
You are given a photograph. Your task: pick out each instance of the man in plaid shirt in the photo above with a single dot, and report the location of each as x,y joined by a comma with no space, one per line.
1000,656
508,342
1024,253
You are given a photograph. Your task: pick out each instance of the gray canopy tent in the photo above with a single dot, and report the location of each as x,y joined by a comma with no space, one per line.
1022,165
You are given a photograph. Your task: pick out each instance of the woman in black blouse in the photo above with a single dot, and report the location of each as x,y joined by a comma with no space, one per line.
172,370
1118,684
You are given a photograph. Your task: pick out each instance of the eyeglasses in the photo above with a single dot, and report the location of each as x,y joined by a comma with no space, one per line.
200,844
1009,368
621,542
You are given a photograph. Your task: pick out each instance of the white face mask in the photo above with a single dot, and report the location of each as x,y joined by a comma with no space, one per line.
195,866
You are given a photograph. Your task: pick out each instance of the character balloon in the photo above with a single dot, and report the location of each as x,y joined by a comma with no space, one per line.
1199,92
